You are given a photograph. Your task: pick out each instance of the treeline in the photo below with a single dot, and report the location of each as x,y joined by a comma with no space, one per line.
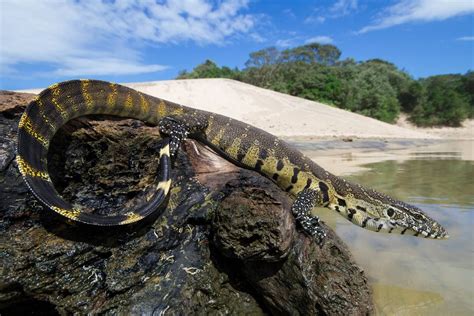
374,88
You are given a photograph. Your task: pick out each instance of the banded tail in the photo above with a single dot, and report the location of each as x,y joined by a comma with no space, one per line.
62,102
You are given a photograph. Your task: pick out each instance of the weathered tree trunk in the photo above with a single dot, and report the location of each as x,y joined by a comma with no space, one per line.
225,244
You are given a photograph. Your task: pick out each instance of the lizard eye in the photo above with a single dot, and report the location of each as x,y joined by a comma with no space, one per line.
390,212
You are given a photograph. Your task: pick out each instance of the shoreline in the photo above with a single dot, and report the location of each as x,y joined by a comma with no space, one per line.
346,158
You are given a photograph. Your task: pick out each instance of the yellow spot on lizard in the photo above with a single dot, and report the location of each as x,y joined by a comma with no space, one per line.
233,150
178,111
87,97
162,109
219,136
131,218
251,156
129,103
164,185
165,150
71,214
27,125
27,170
43,115
56,92
112,97
144,104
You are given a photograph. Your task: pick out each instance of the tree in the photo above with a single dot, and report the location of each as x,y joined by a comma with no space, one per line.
412,97
374,95
311,54
263,57
208,69
468,89
444,105
328,54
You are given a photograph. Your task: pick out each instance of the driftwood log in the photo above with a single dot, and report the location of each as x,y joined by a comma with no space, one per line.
225,244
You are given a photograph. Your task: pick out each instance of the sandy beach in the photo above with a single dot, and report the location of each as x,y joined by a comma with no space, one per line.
284,115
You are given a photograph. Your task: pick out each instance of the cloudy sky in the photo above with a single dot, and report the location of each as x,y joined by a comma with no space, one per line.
46,41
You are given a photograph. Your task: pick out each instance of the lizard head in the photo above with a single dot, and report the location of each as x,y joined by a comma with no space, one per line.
379,212
402,218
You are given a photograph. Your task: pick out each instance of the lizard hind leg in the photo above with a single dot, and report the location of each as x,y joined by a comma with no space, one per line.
301,209
179,128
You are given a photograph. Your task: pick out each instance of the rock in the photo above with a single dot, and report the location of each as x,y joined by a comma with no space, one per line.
225,244
289,272
252,222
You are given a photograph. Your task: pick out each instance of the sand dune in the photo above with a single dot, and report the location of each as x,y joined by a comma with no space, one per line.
277,113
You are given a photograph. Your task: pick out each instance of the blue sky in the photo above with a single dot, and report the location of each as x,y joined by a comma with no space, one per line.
47,41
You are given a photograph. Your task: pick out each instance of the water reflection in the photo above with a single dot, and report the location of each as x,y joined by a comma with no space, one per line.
408,301
448,181
416,276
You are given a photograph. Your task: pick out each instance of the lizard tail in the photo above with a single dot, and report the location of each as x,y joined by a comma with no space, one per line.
62,102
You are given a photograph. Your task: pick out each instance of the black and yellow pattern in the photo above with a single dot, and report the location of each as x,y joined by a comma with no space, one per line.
52,109
236,141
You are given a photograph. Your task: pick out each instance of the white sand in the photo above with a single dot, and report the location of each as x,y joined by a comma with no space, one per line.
277,113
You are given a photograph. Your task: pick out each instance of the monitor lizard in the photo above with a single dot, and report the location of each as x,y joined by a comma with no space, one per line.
236,141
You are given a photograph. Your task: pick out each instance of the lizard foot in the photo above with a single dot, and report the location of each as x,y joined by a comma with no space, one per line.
301,209
178,129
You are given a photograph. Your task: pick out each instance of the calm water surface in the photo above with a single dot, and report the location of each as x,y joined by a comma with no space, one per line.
409,275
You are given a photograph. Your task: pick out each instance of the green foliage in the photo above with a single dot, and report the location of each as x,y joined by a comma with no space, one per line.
376,88
208,69
264,57
444,102
413,95
374,96
311,54
313,82
468,88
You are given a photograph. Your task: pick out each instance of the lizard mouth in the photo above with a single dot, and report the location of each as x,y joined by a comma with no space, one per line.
434,231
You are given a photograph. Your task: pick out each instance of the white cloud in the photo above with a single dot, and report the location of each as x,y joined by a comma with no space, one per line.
320,39
285,43
257,37
289,13
343,7
466,38
315,19
104,66
85,37
339,9
406,11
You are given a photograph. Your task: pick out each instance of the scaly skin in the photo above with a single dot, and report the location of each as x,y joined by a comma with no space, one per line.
236,141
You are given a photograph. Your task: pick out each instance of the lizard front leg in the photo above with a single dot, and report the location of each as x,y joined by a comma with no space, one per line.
301,209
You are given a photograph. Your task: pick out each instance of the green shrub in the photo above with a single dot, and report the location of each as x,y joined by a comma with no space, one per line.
443,103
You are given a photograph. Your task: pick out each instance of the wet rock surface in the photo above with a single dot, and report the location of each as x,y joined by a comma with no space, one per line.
225,243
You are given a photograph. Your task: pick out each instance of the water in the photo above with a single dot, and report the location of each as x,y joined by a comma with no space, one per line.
409,275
